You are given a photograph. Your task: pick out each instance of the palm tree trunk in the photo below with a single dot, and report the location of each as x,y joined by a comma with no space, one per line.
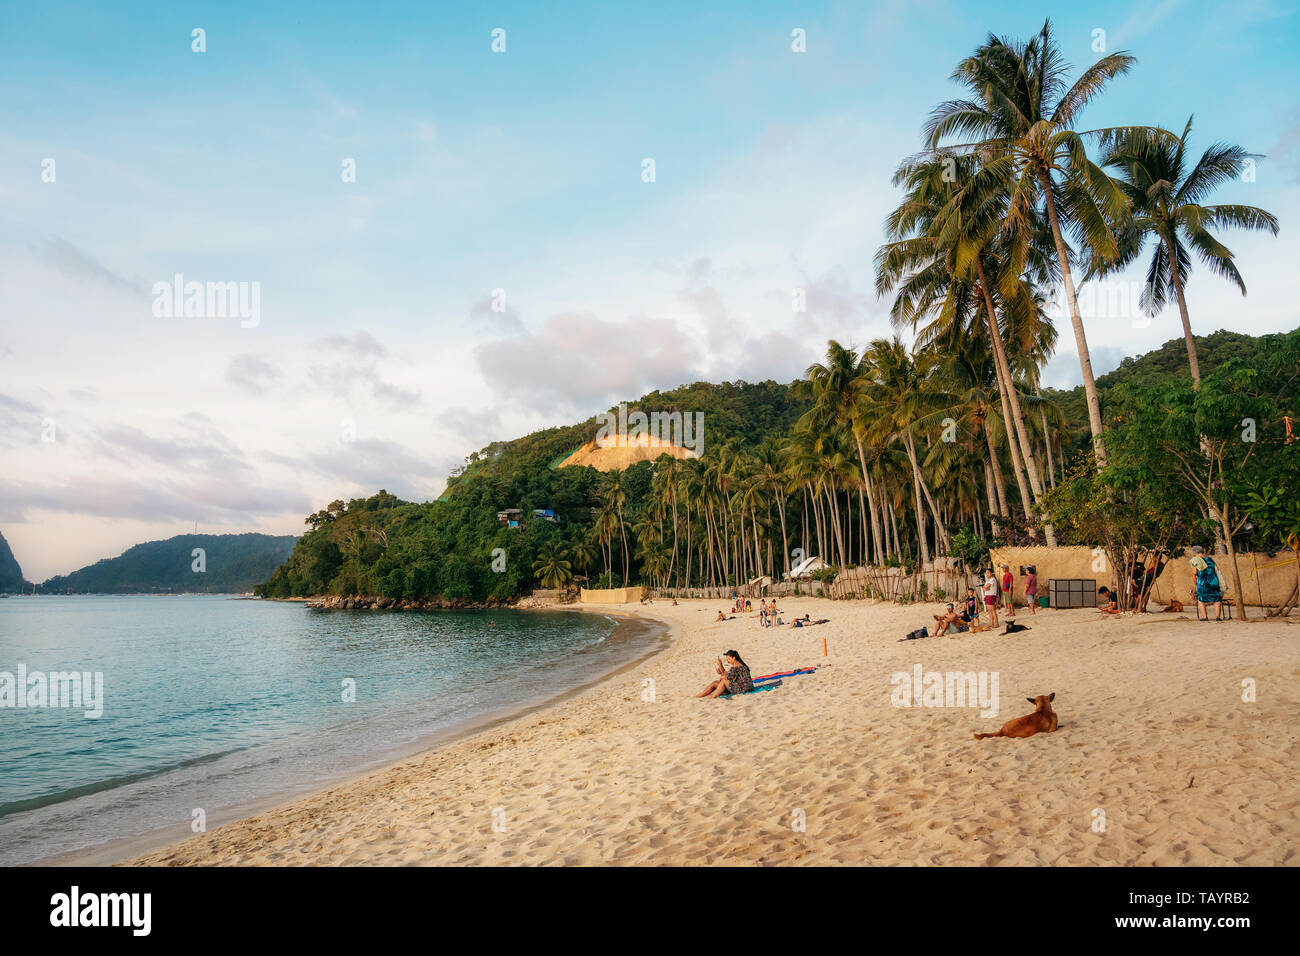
1047,441
1182,312
893,518
1011,400
993,505
920,508
996,467
866,480
785,541
940,532
1076,320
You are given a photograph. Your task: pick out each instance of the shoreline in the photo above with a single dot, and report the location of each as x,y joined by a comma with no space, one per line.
830,769
121,850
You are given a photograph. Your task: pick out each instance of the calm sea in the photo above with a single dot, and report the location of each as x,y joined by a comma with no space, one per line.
218,703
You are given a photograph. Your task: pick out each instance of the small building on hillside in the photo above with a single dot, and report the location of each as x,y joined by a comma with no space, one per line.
546,514
511,518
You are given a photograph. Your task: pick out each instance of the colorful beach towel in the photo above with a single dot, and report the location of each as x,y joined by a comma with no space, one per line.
756,690
797,672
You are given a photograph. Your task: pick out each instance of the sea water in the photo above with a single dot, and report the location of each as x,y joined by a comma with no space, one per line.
211,703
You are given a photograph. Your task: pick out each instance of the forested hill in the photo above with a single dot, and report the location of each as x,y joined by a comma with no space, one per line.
230,564
769,479
444,549
11,575
1168,361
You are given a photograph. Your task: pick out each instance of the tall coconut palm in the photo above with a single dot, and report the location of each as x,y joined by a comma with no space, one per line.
901,390
836,386
1019,121
1166,198
945,248
614,493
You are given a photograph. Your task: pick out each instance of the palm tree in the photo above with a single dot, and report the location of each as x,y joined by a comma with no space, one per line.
1166,199
552,567
614,494
582,554
836,386
940,258
901,390
1019,122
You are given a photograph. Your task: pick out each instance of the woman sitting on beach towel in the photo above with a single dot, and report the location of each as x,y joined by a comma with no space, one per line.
732,679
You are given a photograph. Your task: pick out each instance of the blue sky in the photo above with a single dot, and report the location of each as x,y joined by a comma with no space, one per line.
479,171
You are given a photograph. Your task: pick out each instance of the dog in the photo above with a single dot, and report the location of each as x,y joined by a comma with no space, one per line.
1041,721
1175,606
976,627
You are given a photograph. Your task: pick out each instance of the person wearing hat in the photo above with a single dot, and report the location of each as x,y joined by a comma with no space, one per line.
1208,592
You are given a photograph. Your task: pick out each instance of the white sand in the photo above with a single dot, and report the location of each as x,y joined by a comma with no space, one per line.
1153,731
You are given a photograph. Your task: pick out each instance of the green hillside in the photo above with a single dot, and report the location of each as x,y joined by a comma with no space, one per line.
233,564
1169,362
781,473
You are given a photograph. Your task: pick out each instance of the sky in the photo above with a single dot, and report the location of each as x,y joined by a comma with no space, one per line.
451,244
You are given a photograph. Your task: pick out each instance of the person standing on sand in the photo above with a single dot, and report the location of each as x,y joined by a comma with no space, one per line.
991,597
1009,589
1208,591
733,679
1031,588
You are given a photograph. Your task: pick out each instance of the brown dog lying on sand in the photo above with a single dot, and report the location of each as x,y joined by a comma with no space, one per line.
1042,720
977,628
1175,607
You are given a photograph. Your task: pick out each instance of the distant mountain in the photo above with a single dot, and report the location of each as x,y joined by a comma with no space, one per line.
11,575
231,564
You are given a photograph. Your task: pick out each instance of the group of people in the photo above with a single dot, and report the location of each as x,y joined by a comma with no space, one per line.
1207,591
994,592
768,615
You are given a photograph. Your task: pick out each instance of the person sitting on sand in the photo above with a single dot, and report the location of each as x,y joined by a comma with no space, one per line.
1208,591
1106,601
721,617
1144,579
732,679
805,621
949,618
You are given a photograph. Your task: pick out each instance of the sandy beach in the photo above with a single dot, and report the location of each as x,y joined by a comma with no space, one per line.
1157,760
